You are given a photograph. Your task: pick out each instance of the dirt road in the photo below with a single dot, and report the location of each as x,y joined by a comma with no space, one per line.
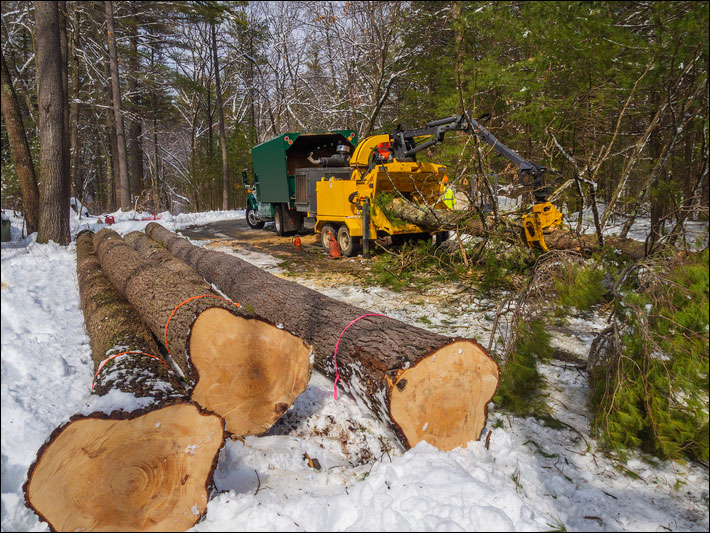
311,258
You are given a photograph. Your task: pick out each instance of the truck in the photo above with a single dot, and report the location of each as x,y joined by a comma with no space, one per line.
329,183
276,163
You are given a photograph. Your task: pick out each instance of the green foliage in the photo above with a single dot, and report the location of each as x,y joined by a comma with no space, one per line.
580,286
383,201
417,263
521,384
498,265
652,392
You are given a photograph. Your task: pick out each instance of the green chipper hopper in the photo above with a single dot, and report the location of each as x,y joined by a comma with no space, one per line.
273,195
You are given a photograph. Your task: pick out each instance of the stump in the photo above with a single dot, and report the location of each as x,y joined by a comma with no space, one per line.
424,386
243,368
145,460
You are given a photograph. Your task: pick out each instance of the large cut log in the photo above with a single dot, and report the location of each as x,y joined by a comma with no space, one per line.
424,386
123,465
444,219
243,368
157,252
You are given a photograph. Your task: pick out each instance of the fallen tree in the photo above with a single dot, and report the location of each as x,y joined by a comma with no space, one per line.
444,219
424,386
123,465
243,368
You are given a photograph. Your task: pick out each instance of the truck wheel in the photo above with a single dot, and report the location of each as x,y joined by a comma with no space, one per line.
440,238
348,245
253,219
324,239
279,220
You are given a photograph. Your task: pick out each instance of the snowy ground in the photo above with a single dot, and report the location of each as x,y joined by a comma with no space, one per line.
529,477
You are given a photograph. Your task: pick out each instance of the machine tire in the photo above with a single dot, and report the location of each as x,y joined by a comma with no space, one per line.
440,238
279,220
324,240
253,218
348,245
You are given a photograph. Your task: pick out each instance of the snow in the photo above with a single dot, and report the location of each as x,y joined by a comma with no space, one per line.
520,476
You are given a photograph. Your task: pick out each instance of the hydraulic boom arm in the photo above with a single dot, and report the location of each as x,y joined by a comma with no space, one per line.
405,147
544,215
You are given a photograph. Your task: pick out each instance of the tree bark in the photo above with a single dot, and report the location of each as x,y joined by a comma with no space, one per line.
114,327
155,251
124,195
222,134
74,138
84,474
64,47
424,386
243,368
20,151
54,204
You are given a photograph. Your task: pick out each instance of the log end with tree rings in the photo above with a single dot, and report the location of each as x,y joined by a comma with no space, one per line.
250,371
150,472
443,399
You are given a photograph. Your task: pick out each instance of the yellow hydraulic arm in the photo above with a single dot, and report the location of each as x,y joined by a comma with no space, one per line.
544,216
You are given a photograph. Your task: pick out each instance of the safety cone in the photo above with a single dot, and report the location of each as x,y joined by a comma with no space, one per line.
297,243
334,248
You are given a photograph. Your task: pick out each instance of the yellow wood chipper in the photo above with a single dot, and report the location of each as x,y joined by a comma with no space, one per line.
328,182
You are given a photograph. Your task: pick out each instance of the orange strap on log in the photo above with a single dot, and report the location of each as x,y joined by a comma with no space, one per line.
103,363
183,303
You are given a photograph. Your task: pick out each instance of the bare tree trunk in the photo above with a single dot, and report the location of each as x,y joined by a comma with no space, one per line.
74,139
240,367
134,125
54,205
111,149
123,184
65,89
20,151
389,366
109,446
155,176
222,134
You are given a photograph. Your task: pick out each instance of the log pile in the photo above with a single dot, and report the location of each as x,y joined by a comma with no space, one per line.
424,386
124,467
241,367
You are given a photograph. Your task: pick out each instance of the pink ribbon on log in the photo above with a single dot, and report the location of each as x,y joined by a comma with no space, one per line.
335,355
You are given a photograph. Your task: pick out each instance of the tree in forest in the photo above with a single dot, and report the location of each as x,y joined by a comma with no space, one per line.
20,151
54,204
220,114
123,183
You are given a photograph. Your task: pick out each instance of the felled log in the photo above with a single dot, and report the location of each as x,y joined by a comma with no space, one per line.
424,386
157,252
124,467
444,219
114,327
243,368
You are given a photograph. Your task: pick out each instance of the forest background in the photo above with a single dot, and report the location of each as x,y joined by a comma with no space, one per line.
615,93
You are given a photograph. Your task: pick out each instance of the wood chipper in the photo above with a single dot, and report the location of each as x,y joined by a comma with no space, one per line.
317,181
313,181
276,163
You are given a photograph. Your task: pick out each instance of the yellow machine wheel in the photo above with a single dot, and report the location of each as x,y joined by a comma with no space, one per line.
348,244
324,239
